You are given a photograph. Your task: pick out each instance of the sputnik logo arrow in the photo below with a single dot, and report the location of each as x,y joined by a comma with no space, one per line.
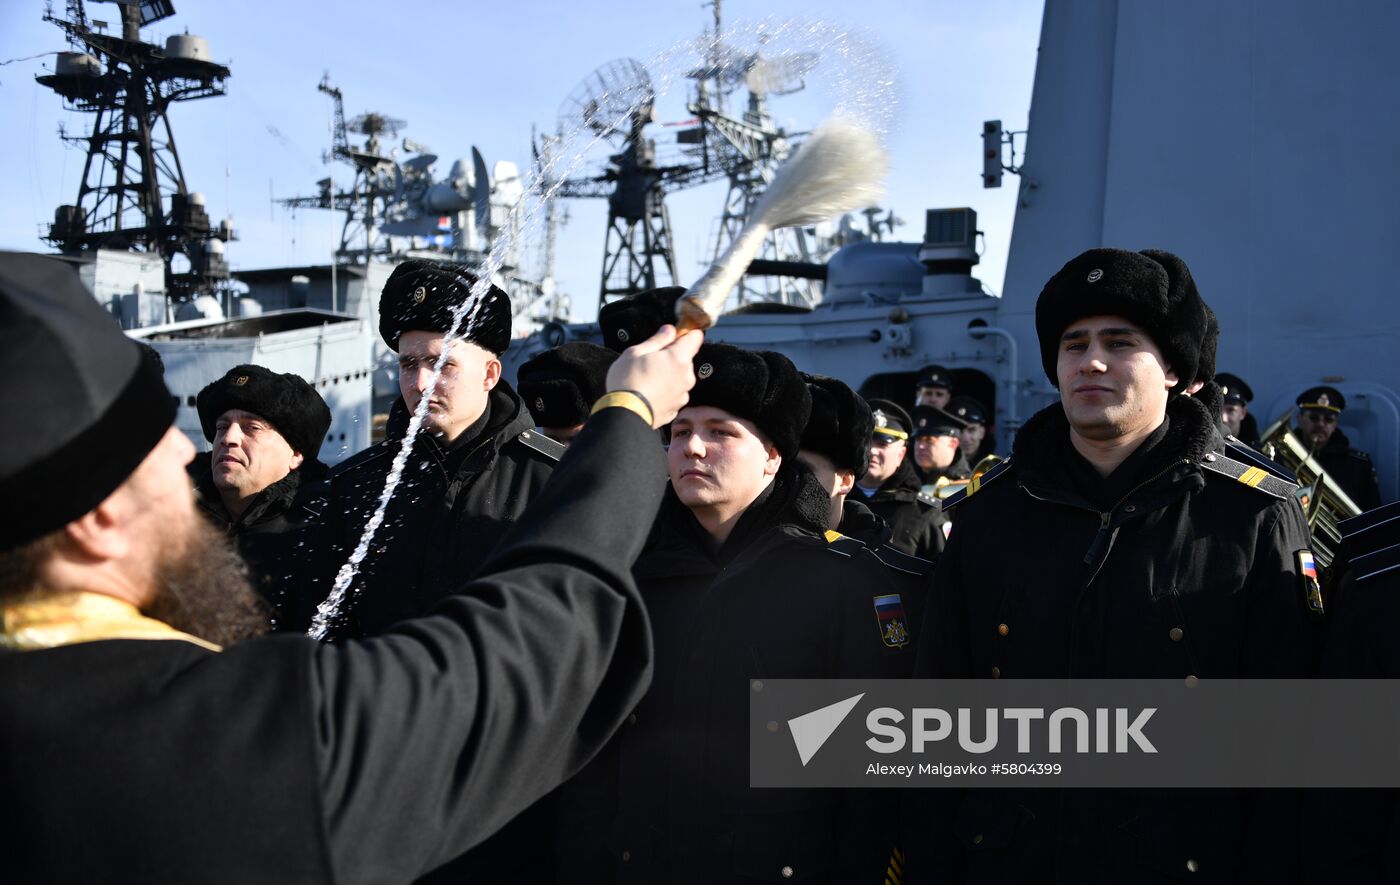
811,730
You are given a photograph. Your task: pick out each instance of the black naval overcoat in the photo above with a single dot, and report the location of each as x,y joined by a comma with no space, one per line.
1187,572
287,760
914,517
1352,469
860,522
668,801
275,534
1354,835
450,510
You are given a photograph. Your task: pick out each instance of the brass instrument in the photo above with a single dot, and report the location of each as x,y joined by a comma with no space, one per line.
1324,502
946,488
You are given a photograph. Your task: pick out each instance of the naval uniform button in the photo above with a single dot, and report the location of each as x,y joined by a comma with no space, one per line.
977,840
1002,629
626,855
631,718
758,685
1208,458
787,872
996,672
1191,865
1175,633
773,727
1191,681
1131,508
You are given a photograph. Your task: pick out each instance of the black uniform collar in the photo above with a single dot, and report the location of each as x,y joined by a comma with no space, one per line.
1039,453
277,497
859,521
904,484
504,419
794,498
1337,442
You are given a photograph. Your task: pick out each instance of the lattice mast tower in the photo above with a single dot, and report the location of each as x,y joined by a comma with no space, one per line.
132,164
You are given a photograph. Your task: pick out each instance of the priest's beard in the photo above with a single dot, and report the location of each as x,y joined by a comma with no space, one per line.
202,588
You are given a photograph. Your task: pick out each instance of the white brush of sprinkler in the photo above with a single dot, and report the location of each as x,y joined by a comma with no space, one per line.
839,169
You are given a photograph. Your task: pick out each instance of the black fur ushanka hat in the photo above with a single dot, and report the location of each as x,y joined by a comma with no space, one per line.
1152,289
840,425
762,386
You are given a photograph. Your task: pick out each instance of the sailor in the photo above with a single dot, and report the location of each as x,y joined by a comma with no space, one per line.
470,475
1319,411
278,759
934,387
260,482
1119,540
975,443
560,385
1236,396
937,446
1354,835
475,466
637,317
835,446
891,487
740,587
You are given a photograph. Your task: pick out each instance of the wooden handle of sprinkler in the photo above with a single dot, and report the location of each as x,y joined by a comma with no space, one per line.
700,306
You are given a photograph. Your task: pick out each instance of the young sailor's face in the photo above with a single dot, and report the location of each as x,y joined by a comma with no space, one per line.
459,397
970,438
1113,379
717,460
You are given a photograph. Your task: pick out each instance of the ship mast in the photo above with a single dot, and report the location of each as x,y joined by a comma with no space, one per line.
132,164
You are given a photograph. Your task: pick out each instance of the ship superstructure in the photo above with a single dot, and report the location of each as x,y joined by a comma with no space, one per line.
1246,138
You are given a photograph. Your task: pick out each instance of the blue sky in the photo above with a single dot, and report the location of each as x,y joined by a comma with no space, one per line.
467,73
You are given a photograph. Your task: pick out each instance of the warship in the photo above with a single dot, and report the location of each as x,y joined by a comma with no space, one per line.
1251,139
141,240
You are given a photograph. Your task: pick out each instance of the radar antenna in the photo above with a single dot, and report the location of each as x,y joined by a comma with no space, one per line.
750,148
132,165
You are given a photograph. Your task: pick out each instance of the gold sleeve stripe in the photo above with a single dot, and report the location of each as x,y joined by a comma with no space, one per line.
625,399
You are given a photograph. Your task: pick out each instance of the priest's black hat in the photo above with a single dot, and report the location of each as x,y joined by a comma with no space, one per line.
82,406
